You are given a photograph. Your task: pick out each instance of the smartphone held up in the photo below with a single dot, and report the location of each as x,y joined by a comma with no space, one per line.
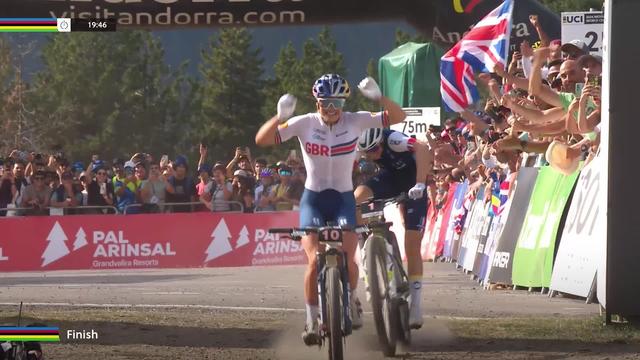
593,79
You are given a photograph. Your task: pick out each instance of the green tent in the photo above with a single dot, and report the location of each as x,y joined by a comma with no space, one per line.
410,75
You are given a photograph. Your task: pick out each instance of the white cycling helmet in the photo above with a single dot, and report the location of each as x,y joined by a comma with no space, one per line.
369,139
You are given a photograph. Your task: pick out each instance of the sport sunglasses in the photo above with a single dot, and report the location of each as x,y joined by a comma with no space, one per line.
337,103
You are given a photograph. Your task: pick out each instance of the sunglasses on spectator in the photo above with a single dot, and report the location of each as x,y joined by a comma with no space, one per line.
336,103
38,178
102,173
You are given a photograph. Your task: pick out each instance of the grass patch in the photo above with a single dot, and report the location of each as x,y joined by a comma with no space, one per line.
589,330
162,317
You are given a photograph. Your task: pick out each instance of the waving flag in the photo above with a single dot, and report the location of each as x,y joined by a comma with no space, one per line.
499,196
481,49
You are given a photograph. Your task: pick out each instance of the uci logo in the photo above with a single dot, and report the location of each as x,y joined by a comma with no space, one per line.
457,6
572,19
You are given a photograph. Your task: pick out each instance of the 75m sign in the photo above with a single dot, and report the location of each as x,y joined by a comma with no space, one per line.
418,121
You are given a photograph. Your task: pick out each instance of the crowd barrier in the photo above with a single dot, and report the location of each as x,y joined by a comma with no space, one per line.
182,240
527,231
536,229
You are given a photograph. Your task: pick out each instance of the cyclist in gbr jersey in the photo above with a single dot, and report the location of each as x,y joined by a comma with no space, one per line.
328,139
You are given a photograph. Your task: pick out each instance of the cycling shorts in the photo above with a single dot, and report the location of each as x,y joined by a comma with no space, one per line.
318,208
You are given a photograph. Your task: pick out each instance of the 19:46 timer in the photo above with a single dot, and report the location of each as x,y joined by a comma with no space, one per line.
97,25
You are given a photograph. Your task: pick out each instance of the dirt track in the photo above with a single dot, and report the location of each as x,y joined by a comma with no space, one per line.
258,330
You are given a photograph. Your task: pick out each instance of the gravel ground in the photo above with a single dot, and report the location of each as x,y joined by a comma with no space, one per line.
256,313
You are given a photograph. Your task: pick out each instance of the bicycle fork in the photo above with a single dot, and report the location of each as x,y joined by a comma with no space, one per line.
333,258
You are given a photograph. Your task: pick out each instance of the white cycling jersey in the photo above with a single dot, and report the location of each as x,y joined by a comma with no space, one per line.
329,152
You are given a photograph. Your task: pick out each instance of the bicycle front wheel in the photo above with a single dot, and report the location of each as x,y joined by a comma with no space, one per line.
378,277
334,309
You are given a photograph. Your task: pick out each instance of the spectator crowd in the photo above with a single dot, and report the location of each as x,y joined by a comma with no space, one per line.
38,184
546,103
544,109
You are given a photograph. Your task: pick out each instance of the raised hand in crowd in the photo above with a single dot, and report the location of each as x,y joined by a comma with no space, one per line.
533,19
203,153
525,49
515,64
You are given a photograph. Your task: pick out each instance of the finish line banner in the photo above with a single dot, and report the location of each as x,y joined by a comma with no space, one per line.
147,241
444,21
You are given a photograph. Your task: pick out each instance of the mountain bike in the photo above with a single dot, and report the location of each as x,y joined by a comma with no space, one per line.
386,278
333,285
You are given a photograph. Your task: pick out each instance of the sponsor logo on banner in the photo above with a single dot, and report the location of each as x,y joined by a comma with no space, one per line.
272,249
501,259
110,248
2,257
269,249
57,247
471,4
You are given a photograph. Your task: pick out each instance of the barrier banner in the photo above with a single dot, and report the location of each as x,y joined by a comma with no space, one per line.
474,240
512,217
432,219
457,212
435,236
146,241
480,264
495,229
469,242
446,217
576,265
533,257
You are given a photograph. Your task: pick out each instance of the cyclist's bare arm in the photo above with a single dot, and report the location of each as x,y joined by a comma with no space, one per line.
266,136
396,114
424,161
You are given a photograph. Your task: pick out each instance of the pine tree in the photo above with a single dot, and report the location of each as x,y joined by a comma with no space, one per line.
232,87
403,38
572,5
372,69
110,94
220,244
5,64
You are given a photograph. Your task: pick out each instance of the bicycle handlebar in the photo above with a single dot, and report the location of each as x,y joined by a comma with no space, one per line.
298,233
392,200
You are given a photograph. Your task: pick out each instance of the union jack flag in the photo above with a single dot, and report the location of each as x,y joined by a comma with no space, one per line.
481,49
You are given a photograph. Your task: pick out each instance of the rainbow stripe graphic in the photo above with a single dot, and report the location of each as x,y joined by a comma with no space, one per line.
42,334
28,25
